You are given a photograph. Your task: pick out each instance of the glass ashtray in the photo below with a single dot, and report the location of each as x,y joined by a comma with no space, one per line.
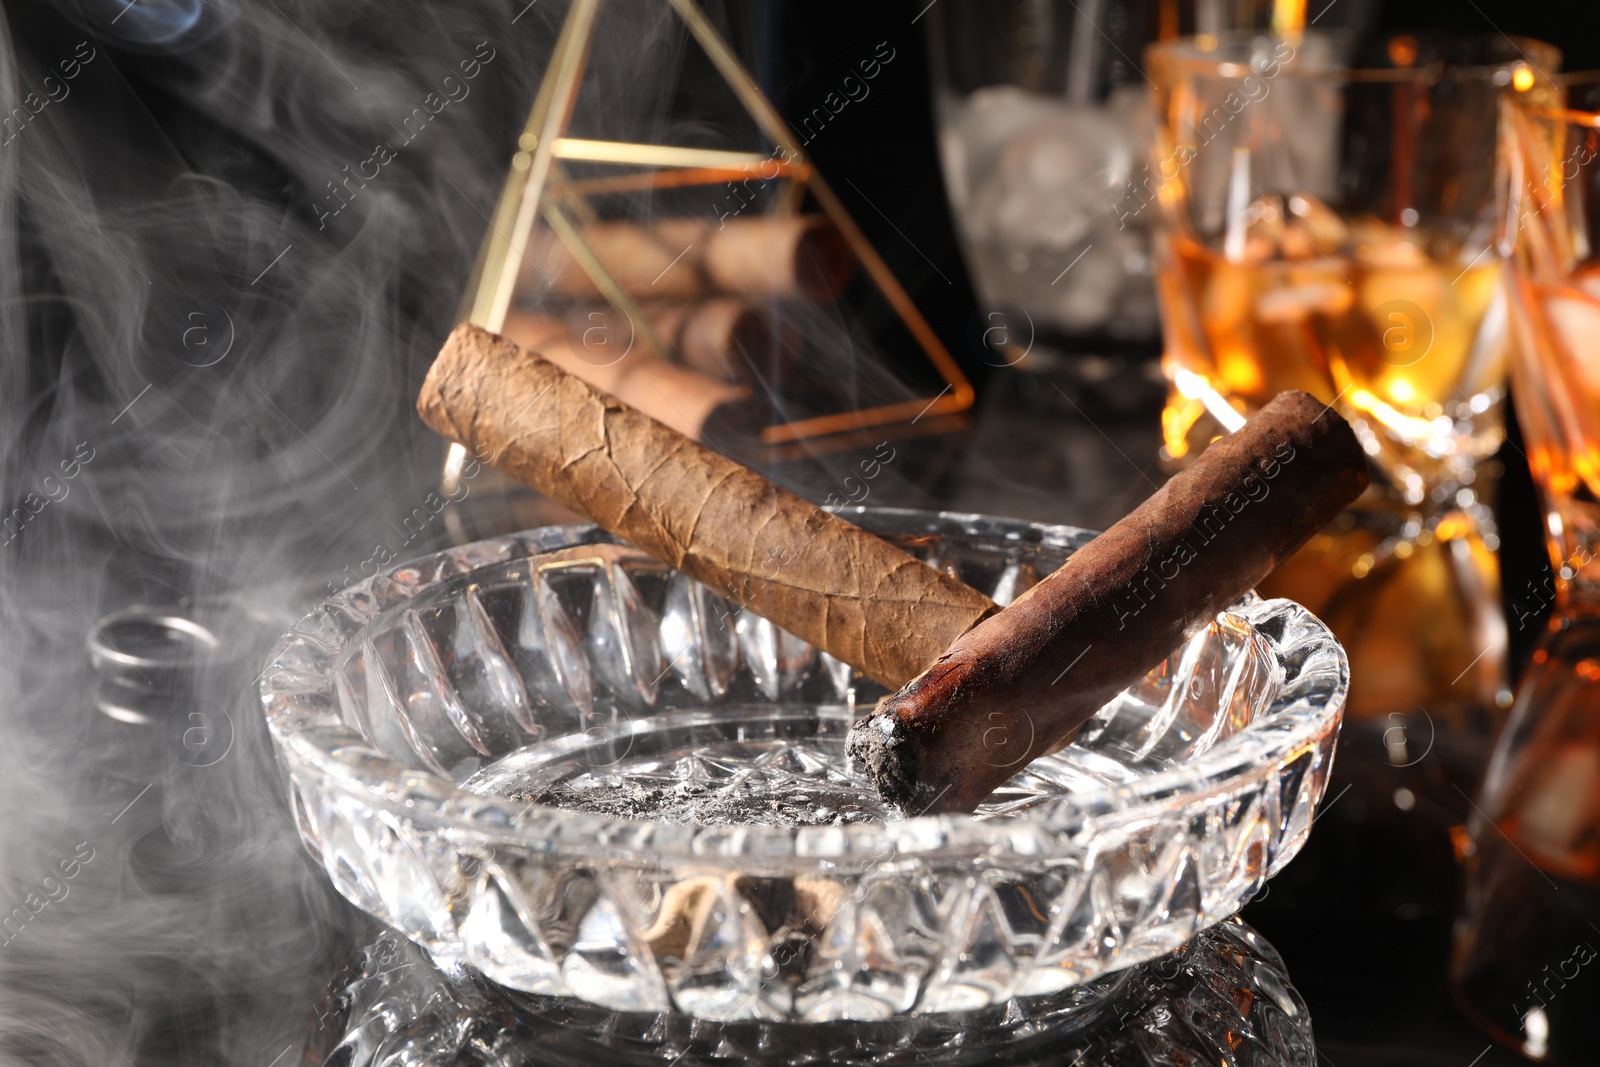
1224,998
552,759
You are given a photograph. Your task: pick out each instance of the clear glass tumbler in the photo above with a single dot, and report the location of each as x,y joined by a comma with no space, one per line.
1530,932
1043,110
1328,218
1042,117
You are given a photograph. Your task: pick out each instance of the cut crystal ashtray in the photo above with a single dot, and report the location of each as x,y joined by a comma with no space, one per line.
550,758
1225,998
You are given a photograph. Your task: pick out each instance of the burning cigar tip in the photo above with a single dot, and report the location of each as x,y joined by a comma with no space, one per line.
880,747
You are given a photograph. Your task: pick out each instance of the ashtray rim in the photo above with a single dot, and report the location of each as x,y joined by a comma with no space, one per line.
314,732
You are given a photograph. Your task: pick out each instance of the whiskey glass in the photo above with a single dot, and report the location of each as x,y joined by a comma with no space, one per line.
1527,941
1329,217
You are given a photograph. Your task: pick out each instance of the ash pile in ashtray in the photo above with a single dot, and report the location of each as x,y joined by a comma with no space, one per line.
786,785
695,804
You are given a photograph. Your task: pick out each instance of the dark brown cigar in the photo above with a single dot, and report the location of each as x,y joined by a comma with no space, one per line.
1025,679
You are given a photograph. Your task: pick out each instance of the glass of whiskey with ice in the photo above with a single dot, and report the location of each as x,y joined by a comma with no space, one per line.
1332,217
1528,933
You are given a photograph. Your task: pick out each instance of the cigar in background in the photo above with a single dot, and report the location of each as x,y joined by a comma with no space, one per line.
731,340
1025,679
725,337
844,590
691,403
690,258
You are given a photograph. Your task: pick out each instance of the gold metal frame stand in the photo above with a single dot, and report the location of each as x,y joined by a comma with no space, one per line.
539,187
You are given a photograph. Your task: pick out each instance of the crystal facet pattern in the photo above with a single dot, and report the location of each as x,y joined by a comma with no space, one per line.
1222,999
428,717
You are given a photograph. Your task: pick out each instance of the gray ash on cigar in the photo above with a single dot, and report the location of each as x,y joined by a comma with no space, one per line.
880,748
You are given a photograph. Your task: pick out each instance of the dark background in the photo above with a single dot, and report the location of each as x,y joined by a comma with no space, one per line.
1374,983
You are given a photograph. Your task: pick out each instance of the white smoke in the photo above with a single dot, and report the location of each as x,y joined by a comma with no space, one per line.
230,385
232,236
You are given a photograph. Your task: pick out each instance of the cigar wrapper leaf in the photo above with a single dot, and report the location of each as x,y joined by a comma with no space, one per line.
1024,680
832,584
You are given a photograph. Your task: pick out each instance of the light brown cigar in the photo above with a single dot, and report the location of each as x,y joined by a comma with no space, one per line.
688,258
681,398
1018,683
832,584
729,339
721,336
